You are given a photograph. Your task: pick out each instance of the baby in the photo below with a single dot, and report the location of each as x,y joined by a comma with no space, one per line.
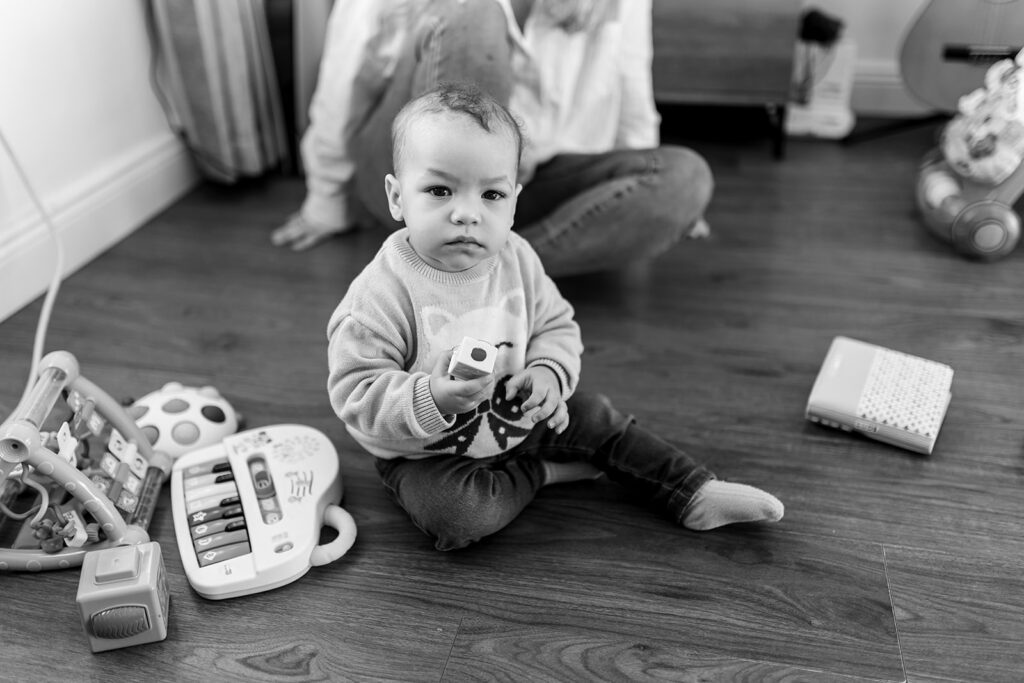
464,457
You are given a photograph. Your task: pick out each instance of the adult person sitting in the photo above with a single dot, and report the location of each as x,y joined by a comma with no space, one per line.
599,192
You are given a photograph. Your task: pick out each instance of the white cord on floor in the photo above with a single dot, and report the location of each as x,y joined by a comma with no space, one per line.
58,271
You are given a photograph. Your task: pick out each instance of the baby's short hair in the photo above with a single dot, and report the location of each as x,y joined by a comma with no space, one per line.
461,98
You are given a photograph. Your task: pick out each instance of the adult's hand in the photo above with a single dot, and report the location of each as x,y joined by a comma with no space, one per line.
299,233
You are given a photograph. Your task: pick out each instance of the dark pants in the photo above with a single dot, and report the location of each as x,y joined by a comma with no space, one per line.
458,500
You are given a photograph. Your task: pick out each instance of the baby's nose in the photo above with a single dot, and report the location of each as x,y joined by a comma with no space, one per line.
466,212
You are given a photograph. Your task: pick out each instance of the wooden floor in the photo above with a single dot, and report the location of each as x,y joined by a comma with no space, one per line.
888,566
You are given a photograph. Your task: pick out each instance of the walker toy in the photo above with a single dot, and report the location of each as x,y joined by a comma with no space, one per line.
967,187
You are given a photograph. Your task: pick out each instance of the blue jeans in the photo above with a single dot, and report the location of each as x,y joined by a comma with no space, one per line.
580,212
458,500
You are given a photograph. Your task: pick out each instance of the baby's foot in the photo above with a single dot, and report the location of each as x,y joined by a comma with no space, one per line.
562,472
718,503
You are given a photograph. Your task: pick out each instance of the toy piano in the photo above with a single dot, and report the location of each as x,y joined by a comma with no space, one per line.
248,511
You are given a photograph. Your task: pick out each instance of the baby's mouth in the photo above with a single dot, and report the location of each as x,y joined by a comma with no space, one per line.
465,240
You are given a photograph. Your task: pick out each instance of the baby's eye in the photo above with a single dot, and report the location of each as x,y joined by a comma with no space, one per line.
439,191
494,195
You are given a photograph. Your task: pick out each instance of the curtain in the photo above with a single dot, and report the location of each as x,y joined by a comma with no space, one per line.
214,70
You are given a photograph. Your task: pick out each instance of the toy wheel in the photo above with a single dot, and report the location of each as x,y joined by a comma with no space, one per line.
987,230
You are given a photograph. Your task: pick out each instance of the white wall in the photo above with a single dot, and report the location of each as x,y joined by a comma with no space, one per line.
77,107
877,27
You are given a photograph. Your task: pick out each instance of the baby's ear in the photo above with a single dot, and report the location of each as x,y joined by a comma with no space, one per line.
393,188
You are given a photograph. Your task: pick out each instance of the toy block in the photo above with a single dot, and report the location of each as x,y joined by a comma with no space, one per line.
122,596
473,358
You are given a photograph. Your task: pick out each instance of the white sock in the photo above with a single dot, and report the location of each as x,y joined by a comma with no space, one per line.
718,503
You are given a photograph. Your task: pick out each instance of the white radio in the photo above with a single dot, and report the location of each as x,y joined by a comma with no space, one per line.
884,394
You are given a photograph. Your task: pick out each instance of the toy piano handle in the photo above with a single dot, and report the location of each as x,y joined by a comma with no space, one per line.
342,522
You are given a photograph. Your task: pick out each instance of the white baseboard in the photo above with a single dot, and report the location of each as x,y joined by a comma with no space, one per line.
878,90
99,211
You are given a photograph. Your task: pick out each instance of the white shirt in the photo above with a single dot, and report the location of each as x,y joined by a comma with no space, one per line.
583,92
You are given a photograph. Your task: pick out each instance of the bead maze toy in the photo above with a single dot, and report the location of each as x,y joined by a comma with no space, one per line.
108,499
92,480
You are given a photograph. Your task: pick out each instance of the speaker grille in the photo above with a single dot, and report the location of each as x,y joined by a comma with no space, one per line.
906,392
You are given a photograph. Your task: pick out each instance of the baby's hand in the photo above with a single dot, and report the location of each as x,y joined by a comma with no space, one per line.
543,394
455,396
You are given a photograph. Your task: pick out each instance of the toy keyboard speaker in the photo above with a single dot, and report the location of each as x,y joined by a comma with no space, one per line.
248,511
883,394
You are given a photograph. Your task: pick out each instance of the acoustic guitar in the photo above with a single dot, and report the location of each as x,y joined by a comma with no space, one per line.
952,43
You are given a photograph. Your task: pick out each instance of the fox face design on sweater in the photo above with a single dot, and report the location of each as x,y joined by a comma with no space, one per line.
504,325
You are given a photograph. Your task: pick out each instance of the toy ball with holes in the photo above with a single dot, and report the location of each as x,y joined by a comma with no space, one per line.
178,419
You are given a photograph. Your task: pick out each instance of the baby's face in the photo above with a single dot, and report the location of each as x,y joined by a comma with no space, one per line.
456,190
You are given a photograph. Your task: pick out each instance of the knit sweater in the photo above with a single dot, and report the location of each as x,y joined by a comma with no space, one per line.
400,315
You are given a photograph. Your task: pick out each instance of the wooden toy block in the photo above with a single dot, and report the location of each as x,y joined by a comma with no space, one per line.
473,358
